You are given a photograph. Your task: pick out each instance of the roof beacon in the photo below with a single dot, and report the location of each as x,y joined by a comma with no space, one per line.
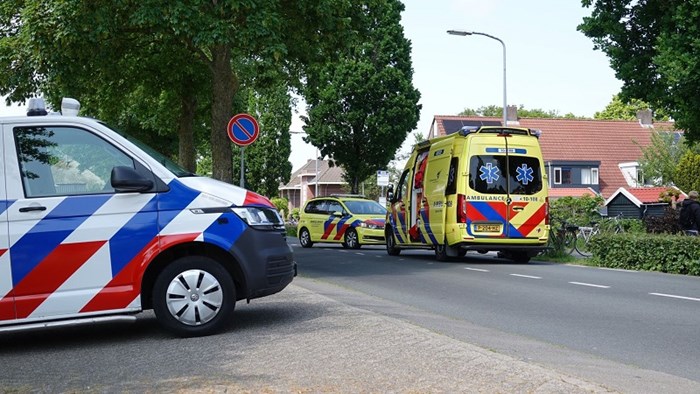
70,107
36,107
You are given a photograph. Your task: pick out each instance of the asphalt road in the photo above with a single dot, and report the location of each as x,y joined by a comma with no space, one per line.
645,320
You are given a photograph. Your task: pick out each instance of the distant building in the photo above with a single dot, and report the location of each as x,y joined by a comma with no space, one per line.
304,182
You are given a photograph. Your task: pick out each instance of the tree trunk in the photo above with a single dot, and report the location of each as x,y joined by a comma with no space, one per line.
185,132
223,90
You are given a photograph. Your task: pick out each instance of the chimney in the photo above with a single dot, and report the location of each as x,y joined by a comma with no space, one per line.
512,115
645,119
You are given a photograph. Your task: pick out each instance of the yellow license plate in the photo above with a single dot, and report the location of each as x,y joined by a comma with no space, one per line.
488,228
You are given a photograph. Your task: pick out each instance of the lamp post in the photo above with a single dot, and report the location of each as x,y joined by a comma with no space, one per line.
469,33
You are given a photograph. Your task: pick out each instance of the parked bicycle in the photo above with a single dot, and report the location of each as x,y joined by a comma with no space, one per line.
584,234
562,236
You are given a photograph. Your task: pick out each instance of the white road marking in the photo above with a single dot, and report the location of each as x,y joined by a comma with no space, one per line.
590,285
526,276
359,254
675,296
476,269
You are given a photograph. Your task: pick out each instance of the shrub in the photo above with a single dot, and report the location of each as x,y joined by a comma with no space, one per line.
652,252
665,224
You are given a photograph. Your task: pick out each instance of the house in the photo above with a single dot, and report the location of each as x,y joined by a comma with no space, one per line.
638,202
315,178
600,155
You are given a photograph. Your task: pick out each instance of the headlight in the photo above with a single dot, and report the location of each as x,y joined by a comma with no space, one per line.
260,218
370,226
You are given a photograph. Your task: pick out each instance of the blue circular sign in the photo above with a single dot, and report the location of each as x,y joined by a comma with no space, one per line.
243,129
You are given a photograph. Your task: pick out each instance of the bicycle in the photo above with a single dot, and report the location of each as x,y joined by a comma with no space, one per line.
584,234
562,237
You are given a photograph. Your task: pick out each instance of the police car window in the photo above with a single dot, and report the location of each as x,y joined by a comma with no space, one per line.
334,206
494,175
57,161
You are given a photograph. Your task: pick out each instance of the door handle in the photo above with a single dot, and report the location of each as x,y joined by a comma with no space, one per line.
518,209
32,208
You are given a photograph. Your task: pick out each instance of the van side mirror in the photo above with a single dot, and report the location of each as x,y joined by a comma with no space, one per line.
126,179
390,193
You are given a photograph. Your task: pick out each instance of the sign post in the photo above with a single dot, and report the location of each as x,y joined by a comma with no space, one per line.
243,130
382,180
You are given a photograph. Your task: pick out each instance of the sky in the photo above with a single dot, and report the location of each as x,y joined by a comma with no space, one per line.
549,64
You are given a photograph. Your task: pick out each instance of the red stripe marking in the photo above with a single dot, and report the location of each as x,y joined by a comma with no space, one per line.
341,231
256,199
50,274
2,251
500,207
328,231
532,222
473,214
126,285
7,309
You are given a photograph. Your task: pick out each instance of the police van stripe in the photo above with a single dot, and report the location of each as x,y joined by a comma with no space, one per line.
49,232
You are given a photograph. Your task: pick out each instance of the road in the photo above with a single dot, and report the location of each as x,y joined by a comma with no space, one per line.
644,320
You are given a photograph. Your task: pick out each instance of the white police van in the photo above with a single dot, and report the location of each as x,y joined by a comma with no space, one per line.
95,226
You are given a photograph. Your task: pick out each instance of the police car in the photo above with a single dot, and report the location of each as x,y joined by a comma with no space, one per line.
350,220
95,226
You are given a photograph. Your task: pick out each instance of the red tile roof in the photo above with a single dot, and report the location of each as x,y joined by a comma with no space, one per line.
645,195
609,141
571,192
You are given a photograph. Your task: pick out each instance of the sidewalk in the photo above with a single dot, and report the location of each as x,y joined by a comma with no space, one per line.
341,349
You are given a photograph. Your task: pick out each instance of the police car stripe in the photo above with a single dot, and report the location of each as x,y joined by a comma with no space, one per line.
44,279
91,278
185,221
49,232
5,274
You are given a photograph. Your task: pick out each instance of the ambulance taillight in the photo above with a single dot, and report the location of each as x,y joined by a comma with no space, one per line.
461,208
546,210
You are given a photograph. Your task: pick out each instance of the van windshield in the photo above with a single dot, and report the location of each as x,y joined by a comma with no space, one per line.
489,174
365,207
161,158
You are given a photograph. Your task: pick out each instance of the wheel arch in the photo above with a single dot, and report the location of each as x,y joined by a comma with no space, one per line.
226,259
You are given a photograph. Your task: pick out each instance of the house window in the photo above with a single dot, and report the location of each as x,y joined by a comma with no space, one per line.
566,176
589,176
557,176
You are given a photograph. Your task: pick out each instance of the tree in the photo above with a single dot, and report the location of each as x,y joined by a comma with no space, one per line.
660,159
617,109
652,46
689,172
361,108
113,49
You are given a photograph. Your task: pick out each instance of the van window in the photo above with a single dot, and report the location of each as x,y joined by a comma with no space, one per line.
58,161
487,174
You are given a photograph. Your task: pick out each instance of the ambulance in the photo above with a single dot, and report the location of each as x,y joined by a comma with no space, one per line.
97,227
482,189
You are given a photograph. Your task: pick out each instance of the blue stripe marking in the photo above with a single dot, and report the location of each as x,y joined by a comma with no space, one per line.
225,235
396,230
4,204
147,223
30,250
426,223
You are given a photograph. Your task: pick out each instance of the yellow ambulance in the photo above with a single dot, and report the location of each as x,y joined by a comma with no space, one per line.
482,189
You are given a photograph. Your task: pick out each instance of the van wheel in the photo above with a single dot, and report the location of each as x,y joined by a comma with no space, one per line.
305,238
441,252
351,239
194,296
391,248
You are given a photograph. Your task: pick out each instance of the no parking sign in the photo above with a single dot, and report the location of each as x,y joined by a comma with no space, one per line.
243,129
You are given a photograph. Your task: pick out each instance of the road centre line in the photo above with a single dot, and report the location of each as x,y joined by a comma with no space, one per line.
526,276
476,269
675,296
589,285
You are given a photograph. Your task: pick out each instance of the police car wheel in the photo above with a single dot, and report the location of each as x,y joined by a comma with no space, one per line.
305,238
194,296
351,239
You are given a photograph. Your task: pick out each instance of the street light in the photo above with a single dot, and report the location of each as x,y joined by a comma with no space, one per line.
469,33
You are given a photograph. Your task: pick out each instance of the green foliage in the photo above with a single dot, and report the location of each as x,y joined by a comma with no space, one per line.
295,213
362,107
618,109
280,203
580,211
688,171
660,159
663,253
652,46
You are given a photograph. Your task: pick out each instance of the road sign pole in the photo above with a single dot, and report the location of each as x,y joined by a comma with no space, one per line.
242,182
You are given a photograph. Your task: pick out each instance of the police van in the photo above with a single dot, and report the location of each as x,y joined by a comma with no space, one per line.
482,188
95,226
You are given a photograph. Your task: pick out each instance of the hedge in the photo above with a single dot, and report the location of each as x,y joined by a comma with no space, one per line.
651,252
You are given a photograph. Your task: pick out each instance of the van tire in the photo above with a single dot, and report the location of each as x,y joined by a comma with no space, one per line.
194,296
391,248
305,238
441,252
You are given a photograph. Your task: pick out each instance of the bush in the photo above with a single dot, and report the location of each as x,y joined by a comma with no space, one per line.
652,252
291,229
665,224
